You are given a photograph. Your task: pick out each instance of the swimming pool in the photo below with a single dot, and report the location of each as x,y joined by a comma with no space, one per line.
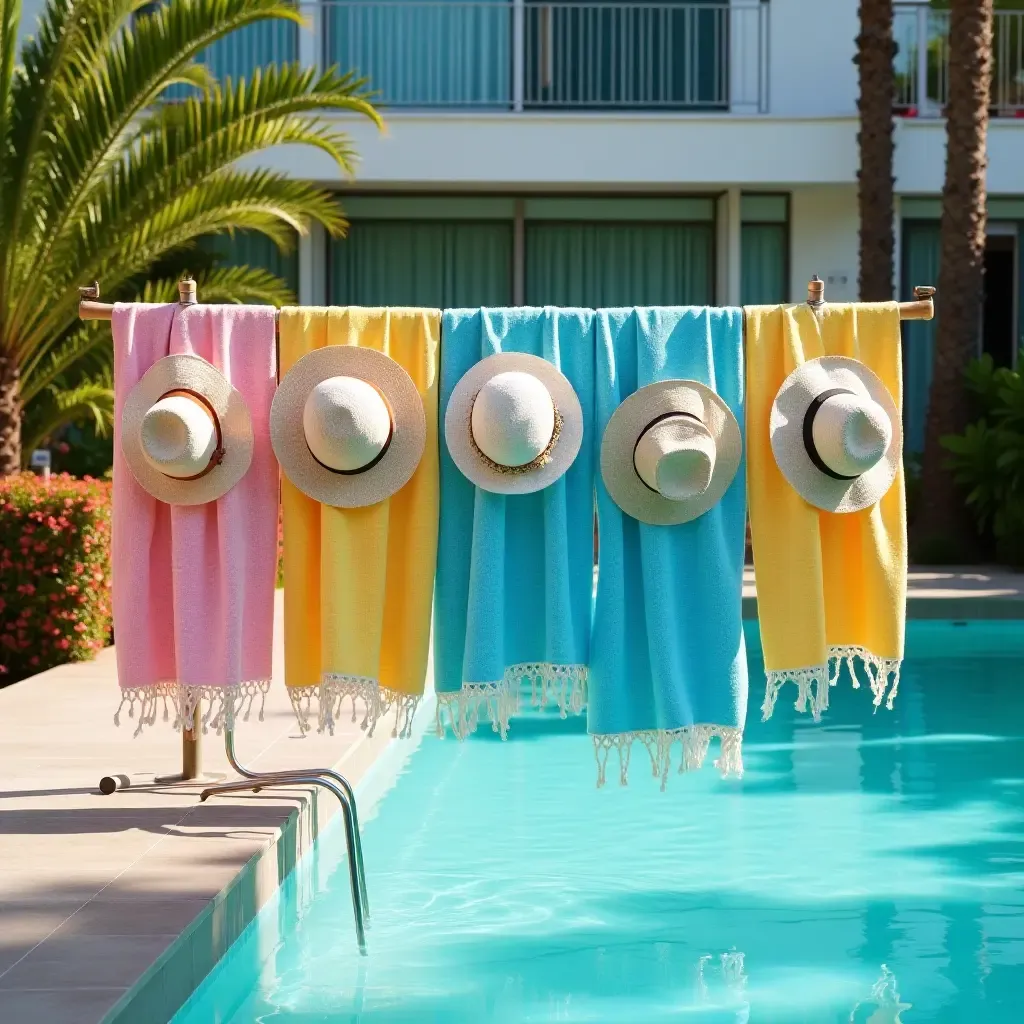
873,864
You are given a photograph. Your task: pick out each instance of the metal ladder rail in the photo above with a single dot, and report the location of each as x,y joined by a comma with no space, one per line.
351,839
292,773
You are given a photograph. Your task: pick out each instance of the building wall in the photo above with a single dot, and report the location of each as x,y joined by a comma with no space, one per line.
824,226
811,69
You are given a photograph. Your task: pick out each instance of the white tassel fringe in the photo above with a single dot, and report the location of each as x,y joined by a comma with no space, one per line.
497,702
225,704
377,701
562,685
695,740
813,682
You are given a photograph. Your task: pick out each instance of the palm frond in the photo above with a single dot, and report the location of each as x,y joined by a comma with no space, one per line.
87,348
10,21
69,36
229,285
259,200
56,407
124,79
203,135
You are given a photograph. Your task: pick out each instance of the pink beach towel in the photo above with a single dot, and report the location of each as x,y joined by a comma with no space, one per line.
194,584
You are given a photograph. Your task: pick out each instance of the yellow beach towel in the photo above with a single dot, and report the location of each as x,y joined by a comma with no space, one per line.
359,582
831,588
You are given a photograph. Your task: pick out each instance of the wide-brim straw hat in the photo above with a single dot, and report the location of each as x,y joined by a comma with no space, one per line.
332,381
186,433
514,424
678,429
836,434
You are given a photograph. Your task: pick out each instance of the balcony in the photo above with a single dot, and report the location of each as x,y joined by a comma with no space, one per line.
519,55
922,62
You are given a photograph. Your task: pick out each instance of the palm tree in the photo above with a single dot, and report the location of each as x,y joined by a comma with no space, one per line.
875,52
962,264
101,176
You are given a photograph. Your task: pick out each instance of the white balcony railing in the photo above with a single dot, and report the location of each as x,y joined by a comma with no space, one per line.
521,55
922,61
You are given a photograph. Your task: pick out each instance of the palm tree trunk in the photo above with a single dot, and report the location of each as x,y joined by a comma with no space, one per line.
10,417
875,51
943,520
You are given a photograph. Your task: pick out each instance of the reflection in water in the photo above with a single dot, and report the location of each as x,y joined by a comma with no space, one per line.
884,1005
506,888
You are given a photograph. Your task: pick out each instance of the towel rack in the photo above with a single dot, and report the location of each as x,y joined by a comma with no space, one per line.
922,307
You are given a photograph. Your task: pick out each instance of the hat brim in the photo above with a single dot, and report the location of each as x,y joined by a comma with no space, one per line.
188,372
624,430
458,430
786,430
403,454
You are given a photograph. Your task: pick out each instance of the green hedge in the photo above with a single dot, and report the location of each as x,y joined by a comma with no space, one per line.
55,602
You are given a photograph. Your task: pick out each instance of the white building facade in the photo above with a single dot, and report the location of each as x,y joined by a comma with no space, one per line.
586,152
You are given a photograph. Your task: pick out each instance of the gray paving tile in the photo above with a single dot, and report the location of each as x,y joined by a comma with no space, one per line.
85,961
58,1006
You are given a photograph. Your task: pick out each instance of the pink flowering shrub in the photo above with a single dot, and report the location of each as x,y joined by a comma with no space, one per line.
54,572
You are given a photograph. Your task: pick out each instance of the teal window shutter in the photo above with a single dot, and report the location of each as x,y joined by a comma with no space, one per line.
920,266
764,262
445,264
616,264
444,53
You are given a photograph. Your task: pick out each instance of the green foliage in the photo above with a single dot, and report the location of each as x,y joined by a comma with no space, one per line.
103,178
55,601
988,458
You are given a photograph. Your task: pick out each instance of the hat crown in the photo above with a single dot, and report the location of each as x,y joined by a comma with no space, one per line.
675,456
178,436
347,423
851,433
513,418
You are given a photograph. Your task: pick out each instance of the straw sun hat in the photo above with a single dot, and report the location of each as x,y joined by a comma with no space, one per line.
670,451
347,425
514,424
836,434
186,433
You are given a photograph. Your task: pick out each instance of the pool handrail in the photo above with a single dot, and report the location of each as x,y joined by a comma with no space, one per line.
351,837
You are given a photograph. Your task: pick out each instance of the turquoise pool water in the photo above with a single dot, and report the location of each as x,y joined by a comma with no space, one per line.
867,869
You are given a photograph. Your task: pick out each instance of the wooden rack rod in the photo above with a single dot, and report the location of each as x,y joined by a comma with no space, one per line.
921,308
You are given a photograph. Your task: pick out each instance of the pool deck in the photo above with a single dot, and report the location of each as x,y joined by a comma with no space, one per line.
960,594
95,891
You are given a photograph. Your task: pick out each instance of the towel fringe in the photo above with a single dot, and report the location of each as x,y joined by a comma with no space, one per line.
405,705
464,708
564,685
695,740
877,669
335,688
302,698
226,704
813,682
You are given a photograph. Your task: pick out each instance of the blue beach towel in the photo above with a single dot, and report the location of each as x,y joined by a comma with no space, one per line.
667,659
512,600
